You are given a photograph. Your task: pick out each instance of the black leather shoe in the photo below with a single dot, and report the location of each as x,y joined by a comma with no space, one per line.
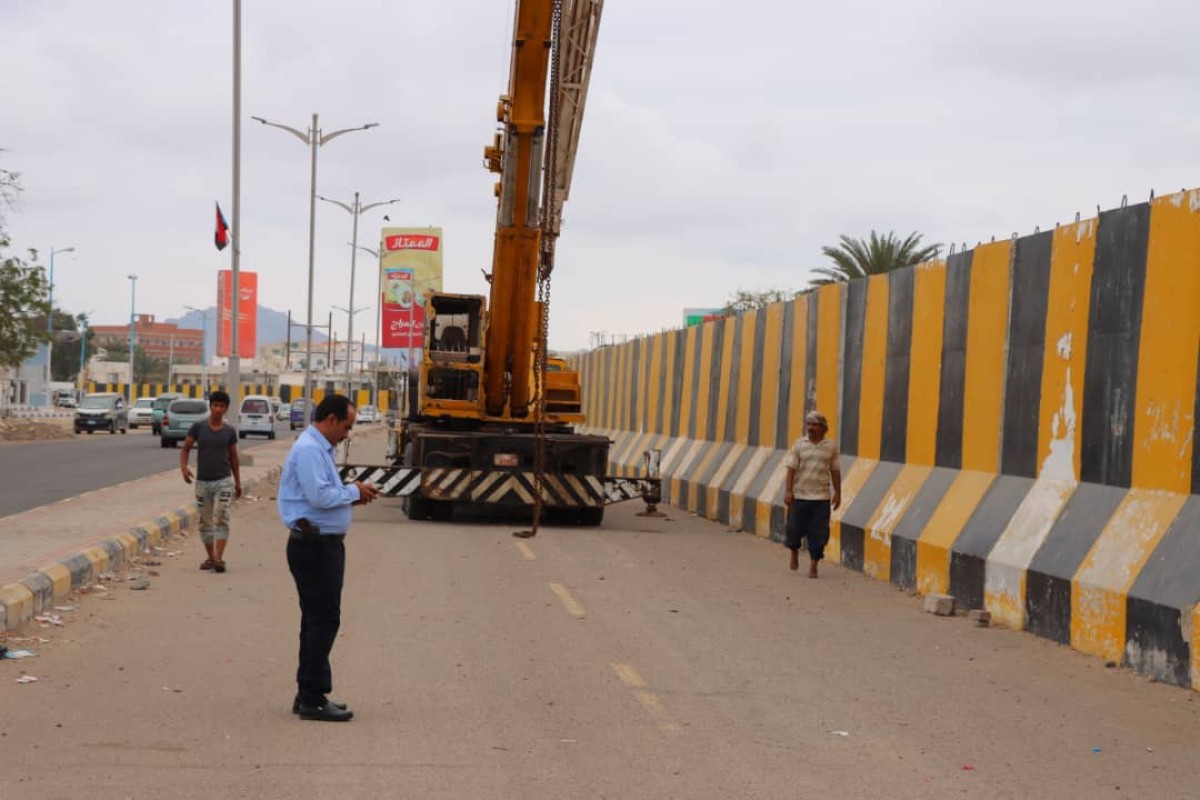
328,712
296,705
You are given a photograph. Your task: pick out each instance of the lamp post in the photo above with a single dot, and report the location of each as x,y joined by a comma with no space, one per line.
203,312
314,139
378,311
349,342
354,209
83,321
50,321
132,336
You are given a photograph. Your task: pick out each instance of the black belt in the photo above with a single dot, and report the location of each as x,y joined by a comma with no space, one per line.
298,535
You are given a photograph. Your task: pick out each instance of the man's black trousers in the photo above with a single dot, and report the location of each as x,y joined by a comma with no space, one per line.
318,565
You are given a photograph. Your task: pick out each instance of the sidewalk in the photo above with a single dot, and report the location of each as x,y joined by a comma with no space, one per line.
48,551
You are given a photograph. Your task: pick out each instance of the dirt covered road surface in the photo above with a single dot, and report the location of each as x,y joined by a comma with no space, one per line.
645,659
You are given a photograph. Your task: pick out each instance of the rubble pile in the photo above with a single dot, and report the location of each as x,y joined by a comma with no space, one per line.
17,429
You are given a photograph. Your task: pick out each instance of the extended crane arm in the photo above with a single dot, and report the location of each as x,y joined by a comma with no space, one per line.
577,46
526,152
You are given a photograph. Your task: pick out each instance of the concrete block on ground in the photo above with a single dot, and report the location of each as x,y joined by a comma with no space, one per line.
940,604
981,617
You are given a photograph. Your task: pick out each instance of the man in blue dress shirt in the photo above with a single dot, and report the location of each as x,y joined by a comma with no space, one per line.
315,506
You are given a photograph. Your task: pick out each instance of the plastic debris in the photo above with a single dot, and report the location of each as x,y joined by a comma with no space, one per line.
1095,749
169,689
64,608
17,654
968,767
50,619
140,584
840,733
26,679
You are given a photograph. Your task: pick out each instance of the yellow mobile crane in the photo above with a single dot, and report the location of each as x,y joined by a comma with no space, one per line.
493,421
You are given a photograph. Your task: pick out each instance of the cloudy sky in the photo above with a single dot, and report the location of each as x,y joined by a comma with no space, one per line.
723,143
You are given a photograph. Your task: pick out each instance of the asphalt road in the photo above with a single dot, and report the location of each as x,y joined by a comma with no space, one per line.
643,659
36,473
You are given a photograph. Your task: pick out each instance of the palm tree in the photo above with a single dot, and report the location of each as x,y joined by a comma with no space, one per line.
858,258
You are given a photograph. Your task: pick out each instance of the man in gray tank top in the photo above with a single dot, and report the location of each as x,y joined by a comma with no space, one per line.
218,477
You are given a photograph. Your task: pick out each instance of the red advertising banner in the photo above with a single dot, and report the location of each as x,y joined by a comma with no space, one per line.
411,264
403,319
247,312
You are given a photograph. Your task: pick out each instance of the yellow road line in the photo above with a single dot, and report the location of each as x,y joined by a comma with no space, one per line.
654,707
646,699
525,551
628,675
570,603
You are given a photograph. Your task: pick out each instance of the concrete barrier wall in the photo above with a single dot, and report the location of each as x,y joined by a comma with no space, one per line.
286,393
1017,426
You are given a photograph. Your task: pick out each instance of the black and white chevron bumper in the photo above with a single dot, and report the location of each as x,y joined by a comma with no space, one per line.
502,487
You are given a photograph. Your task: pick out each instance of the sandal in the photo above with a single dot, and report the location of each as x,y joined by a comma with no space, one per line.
206,564
218,566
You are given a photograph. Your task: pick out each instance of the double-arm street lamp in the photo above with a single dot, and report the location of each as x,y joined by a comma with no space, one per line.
378,310
355,209
203,312
315,140
349,343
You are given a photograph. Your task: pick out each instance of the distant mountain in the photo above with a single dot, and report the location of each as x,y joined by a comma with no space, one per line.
272,327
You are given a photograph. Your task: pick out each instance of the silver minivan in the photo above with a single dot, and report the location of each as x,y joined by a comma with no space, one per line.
256,416
102,411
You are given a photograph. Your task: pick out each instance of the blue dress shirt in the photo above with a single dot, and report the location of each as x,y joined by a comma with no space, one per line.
310,487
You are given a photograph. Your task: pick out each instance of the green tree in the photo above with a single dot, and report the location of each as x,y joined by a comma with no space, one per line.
24,289
114,349
148,368
858,258
748,300
69,332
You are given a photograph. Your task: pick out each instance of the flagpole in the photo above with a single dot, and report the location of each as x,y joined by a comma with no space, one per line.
233,378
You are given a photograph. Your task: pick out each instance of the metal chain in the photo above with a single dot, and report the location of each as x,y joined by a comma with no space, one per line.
545,267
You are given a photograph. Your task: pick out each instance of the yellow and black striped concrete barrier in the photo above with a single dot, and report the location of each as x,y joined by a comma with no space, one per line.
1017,426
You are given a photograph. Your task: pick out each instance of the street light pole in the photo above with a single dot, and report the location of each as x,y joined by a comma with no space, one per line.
349,342
355,209
314,139
132,336
83,319
50,322
378,312
203,346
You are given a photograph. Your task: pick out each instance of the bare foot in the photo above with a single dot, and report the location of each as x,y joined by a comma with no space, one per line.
795,562
812,571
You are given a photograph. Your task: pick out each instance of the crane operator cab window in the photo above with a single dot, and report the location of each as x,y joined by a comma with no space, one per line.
455,329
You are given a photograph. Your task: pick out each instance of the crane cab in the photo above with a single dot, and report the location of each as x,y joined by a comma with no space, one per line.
453,362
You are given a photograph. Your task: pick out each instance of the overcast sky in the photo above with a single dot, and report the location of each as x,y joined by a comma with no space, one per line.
723,144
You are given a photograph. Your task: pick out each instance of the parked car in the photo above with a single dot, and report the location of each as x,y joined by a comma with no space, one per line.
255,416
160,406
285,411
142,413
367,414
103,411
297,416
177,420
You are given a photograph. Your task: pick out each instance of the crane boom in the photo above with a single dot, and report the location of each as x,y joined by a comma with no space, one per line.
493,423
577,46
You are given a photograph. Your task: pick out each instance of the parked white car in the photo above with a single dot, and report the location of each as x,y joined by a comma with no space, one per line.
142,412
367,414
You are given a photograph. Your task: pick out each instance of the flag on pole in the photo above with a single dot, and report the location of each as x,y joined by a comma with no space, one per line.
221,238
